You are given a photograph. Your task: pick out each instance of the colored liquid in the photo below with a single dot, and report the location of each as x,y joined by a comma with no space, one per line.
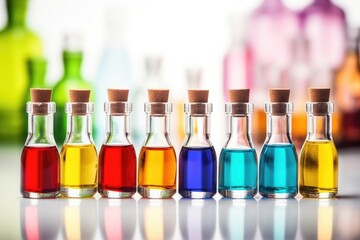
278,171
40,171
157,171
117,170
78,170
318,169
238,172
197,172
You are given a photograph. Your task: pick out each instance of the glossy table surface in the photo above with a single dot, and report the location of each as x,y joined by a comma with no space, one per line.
217,218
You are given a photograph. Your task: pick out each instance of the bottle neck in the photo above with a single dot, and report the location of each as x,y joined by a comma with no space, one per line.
157,130
36,71
16,11
319,127
79,129
117,129
239,131
72,64
197,130
278,128
40,129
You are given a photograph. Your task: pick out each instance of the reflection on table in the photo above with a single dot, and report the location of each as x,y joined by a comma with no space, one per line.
197,218
157,218
117,218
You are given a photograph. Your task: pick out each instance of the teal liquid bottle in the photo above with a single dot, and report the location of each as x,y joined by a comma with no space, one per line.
278,159
72,79
238,161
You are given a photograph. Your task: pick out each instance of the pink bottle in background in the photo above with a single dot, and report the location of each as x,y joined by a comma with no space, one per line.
324,27
273,27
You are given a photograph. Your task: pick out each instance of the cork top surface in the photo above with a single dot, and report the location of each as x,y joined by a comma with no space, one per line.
158,95
198,96
118,95
40,94
319,94
279,95
77,95
239,95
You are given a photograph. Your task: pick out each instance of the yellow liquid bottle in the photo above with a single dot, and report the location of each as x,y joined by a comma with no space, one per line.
318,157
157,158
78,157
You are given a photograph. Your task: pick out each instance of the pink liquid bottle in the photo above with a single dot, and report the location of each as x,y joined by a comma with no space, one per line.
273,27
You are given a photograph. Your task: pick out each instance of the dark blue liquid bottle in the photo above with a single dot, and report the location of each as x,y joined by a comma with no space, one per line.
278,170
197,172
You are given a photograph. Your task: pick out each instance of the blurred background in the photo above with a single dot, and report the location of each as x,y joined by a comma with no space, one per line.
185,44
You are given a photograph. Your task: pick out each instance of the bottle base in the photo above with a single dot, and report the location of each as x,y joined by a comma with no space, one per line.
237,193
77,192
196,194
115,194
278,195
39,195
318,195
146,192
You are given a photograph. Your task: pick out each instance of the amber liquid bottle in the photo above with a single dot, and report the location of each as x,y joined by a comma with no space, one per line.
157,158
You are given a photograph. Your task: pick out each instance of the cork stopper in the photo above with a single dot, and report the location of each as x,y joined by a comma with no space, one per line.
197,98
238,99
118,95
157,98
157,95
40,95
79,96
118,99
320,96
279,96
239,95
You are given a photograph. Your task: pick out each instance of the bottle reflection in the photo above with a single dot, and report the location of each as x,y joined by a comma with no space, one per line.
348,214
40,219
80,218
237,218
157,218
278,218
117,218
317,218
197,218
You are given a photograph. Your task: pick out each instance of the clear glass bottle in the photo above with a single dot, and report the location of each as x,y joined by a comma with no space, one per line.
78,155
278,169
117,157
238,161
157,158
318,157
40,157
197,159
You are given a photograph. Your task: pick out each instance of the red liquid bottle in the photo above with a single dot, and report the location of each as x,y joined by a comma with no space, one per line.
117,158
40,157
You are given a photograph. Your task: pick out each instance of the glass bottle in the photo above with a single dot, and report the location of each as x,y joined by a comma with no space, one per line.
238,161
78,157
17,44
157,158
318,157
40,157
278,159
117,158
197,159
347,91
72,79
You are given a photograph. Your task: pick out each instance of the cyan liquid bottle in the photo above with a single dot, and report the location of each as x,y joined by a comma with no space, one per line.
238,161
197,160
278,159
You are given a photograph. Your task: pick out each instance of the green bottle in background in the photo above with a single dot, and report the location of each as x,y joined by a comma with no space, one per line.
71,79
17,44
